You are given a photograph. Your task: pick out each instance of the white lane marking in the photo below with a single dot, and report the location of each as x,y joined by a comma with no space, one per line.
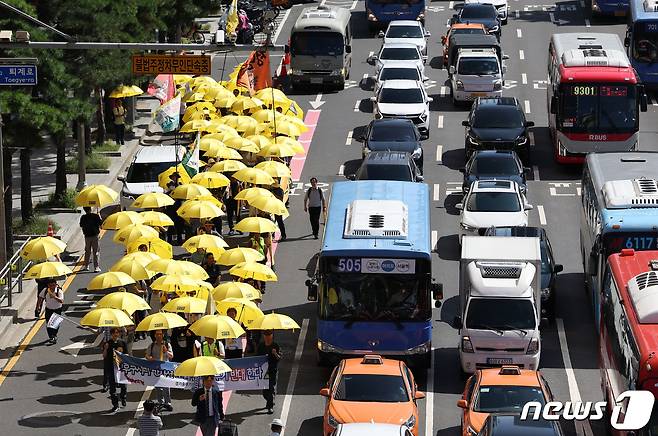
429,398
444,91
440,122
542,215
371,53
517,14
341,170
435,239
574,392
535,172
531,135
527,106
365,76
348,141
280,27
439,154
356,105
587,24
140,408
437,192
451,5
521,55
519,34
293,374
524,78
351,7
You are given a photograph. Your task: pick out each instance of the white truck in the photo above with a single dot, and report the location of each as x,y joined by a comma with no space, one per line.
478,72
500,297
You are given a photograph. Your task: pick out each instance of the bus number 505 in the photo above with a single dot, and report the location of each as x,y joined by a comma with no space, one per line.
349,265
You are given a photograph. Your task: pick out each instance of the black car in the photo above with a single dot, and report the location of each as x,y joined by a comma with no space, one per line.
494,164
393,134
549,269
388,165
483,13
513,425
497,123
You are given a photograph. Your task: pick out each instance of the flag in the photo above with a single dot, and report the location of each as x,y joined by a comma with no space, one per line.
232,18
190,159
254,73
168,115
162,87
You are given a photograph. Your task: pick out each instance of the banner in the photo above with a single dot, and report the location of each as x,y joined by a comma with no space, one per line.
248,373
190,159
168,115
162,87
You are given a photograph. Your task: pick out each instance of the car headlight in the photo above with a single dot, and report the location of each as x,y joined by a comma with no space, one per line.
417,153
472,140
533,346
498,85
423,116
521,140
460,84
467,227
333,422
366,151
421,16
494,29
411,422
420,349
327,347
545,292
471,431
467,346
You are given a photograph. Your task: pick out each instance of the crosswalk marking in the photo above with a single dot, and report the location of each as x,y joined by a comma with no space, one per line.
439,154
348,141
440,122
542,215
437,192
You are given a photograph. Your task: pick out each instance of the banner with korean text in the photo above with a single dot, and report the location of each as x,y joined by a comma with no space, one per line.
248,373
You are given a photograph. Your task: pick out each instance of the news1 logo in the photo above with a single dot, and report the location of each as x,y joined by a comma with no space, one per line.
637,415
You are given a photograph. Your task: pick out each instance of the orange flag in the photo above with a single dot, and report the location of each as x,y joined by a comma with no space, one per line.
255,72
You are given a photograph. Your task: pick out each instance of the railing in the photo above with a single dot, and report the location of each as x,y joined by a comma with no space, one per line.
11,275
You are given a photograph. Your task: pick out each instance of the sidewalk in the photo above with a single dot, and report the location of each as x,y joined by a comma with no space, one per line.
16,321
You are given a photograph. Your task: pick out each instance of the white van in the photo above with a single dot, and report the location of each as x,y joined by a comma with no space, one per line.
478,72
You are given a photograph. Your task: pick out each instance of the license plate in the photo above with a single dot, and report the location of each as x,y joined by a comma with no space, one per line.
499,361
316,80
478,94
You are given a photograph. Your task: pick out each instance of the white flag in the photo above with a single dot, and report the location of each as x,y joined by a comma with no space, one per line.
167,116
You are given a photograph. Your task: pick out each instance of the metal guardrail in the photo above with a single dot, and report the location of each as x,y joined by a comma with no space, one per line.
11,275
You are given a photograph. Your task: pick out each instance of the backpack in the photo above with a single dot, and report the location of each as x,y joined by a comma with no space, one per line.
308,193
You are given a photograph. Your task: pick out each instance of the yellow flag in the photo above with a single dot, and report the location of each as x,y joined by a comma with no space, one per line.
232,20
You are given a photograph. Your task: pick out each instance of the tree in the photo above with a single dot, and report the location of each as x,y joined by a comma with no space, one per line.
178,15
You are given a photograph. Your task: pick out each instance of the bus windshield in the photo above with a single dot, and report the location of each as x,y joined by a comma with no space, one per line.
645,42
316,44
594,108
614,242
374,297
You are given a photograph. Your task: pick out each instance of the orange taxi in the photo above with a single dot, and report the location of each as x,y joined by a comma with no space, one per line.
499,390
371,389
460,28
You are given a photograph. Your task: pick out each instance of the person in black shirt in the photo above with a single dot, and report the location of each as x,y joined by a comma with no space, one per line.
272,350
91,228
108,361
278,193
211,268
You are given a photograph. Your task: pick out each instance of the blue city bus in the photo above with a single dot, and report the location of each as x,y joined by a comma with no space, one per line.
380,12
642,41
618,8
373,279
619,196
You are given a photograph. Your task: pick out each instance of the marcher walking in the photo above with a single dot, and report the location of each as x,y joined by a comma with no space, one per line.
54,299
233,345
231,204
91,227
161,350
119,122
114,344
209,407
278,193
149,423
314,204
277,427
272,350
212,269
213,348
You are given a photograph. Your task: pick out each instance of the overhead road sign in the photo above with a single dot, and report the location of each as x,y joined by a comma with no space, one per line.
18,75
175,64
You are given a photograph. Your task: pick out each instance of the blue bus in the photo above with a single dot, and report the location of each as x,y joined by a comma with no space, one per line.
618,8
619,197
380,12
373,279
642,41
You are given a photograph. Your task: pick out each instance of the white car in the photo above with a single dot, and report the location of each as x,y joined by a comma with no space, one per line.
492,203
370,428
404,99
478,73
400,70
142,175
501,6
407,31
397,51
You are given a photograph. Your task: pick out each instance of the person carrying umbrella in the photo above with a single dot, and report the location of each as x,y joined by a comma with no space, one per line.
272,350
114,344
90,223
277,191
54,299
119,113
213,348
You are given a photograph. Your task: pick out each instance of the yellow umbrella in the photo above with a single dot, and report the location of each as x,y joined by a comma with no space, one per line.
195,126
156,219
274,168
152,200
225,101
236,290
239,255
205,143
242,144
277,150
133,268
46,270
161,321
272,95
254,270
270,205
202,291
274,321
135,231
42,248
265,115
210,199
211,180
141,257
182,78
185,305
217,327
200,106
217,126
247,310
201,366
250,194
200,209
189,191
239,122
158,247
124,91
223,152
260,140
296,146
211,243
165,176
223,134
256,224
173,283
106,317
178,267
255,129
228,166
217,91
243,104
200,115
96,196
203,80
108,280
195,96
119,220
126,301
253,175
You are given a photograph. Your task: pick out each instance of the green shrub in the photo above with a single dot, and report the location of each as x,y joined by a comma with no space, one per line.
67,201
94,161
106,146
38,225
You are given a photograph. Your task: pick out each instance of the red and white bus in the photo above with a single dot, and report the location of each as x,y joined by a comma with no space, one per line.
628,347
593,96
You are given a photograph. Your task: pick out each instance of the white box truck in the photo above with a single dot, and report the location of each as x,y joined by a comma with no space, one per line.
500,297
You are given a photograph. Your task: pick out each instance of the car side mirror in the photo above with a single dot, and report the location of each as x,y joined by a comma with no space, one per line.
459,206
430,99
372,59
504,57
462,404
348,49
324,392
419,395
627,42
504,69
373,99
427,34
420,178
451,69
380,34
121,178
528,207
554,105
558,268
457,322
527,170
530,124
351,177
360,138
425,78
466,123
462,170
443,40
312,291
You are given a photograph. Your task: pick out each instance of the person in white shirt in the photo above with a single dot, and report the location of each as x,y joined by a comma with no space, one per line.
277,427
54,299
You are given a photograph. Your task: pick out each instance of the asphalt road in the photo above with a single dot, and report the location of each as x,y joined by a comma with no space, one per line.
56,389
